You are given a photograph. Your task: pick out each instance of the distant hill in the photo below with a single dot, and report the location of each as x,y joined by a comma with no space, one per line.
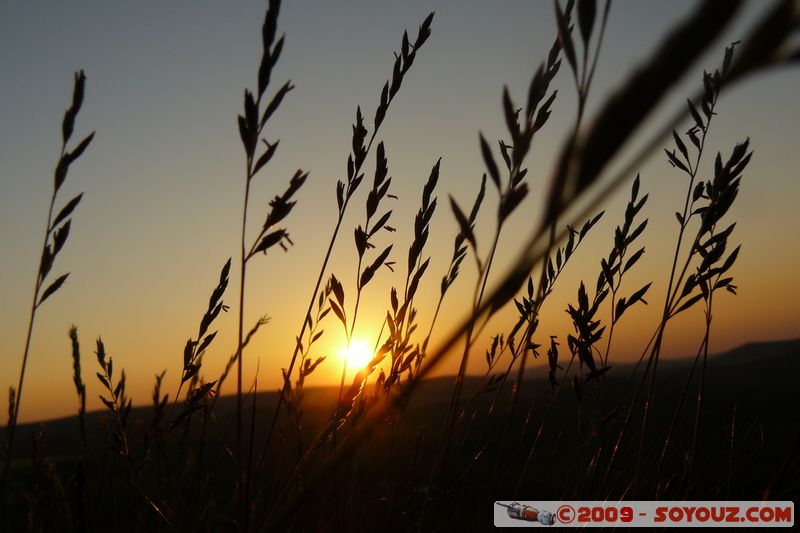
760,379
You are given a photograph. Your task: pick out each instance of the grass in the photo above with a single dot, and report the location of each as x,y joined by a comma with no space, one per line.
392,449
56,234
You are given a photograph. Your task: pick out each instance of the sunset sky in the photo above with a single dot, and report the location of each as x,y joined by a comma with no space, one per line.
163,179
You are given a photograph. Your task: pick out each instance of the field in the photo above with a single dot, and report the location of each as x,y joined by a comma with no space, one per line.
749,443
431,376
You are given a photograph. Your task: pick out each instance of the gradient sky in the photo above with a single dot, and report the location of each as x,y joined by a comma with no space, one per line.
163,179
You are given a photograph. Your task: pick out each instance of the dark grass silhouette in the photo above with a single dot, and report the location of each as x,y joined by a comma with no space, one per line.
758,379
393,450
56,234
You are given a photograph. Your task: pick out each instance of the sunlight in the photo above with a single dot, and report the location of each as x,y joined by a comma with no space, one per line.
357,355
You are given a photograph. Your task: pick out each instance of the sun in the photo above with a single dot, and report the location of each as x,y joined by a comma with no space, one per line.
358,355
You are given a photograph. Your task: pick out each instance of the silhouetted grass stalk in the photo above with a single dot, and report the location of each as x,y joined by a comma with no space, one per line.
57,228
251,125
402,64
450,420
671,294
677,412
686,41
696,428
586,19
191,494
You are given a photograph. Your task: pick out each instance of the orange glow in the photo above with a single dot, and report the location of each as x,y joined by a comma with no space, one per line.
357,355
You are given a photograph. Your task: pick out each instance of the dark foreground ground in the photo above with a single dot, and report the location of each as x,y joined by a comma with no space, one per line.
747,443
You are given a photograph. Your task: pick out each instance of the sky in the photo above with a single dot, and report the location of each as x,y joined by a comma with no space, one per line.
163,180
